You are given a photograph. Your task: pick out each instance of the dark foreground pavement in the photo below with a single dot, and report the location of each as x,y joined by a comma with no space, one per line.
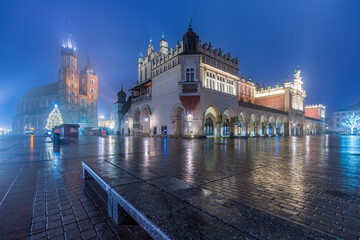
313,181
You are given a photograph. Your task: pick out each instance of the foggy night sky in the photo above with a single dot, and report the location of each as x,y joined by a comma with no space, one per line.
269,37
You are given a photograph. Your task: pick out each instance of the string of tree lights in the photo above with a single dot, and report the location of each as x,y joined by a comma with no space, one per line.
54,118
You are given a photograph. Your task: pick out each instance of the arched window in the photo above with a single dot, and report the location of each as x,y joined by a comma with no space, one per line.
209,127
72,93
92,82
72,85
226,127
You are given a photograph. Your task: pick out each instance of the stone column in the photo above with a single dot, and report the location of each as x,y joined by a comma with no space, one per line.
257,126
286,129
218,129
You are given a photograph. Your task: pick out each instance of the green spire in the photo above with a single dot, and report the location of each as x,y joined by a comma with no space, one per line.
190,27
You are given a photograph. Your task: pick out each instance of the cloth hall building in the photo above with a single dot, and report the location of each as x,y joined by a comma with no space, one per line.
195,90
75,92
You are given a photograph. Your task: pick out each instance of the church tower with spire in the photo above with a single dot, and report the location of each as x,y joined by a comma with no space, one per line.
78,90
69,81
88,96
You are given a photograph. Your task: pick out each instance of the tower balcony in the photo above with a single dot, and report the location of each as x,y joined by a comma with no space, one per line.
144,97
189,88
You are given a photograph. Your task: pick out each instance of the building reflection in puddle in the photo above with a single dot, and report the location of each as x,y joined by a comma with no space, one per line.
146,148
110,142
31,158
165,146
189,165
350,161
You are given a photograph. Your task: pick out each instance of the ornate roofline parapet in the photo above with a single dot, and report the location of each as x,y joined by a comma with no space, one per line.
315,106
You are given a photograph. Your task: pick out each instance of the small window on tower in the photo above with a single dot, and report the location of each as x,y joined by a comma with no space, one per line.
72,71
72,78
72,93
72,85
92,82
189,75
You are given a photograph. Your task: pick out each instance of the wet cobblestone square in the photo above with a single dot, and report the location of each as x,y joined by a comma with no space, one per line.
312,181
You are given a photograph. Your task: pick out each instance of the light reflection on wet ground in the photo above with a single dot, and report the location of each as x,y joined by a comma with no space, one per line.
311,180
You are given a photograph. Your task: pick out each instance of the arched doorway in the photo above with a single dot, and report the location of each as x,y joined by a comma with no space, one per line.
136,121
226,128
209,127
270,129
228,125
263,125
145,120
179,121
263,130
272,123
214,127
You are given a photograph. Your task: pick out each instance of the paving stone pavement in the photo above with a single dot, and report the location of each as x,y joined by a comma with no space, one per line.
313,181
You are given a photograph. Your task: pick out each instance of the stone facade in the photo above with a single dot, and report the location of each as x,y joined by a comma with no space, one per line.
76,94
194,90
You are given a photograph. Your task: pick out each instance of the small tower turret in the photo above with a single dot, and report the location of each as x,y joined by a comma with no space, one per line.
164,49
190,40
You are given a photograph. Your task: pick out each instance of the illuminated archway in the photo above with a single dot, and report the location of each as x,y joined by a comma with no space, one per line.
212,113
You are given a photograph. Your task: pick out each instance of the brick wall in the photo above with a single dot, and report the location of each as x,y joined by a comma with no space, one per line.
276,102
312,112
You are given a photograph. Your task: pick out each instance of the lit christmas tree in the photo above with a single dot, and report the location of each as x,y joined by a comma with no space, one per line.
54,119
351,121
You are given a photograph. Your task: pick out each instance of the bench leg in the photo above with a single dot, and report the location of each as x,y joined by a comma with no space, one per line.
120,216
110,203
115,212
86,175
